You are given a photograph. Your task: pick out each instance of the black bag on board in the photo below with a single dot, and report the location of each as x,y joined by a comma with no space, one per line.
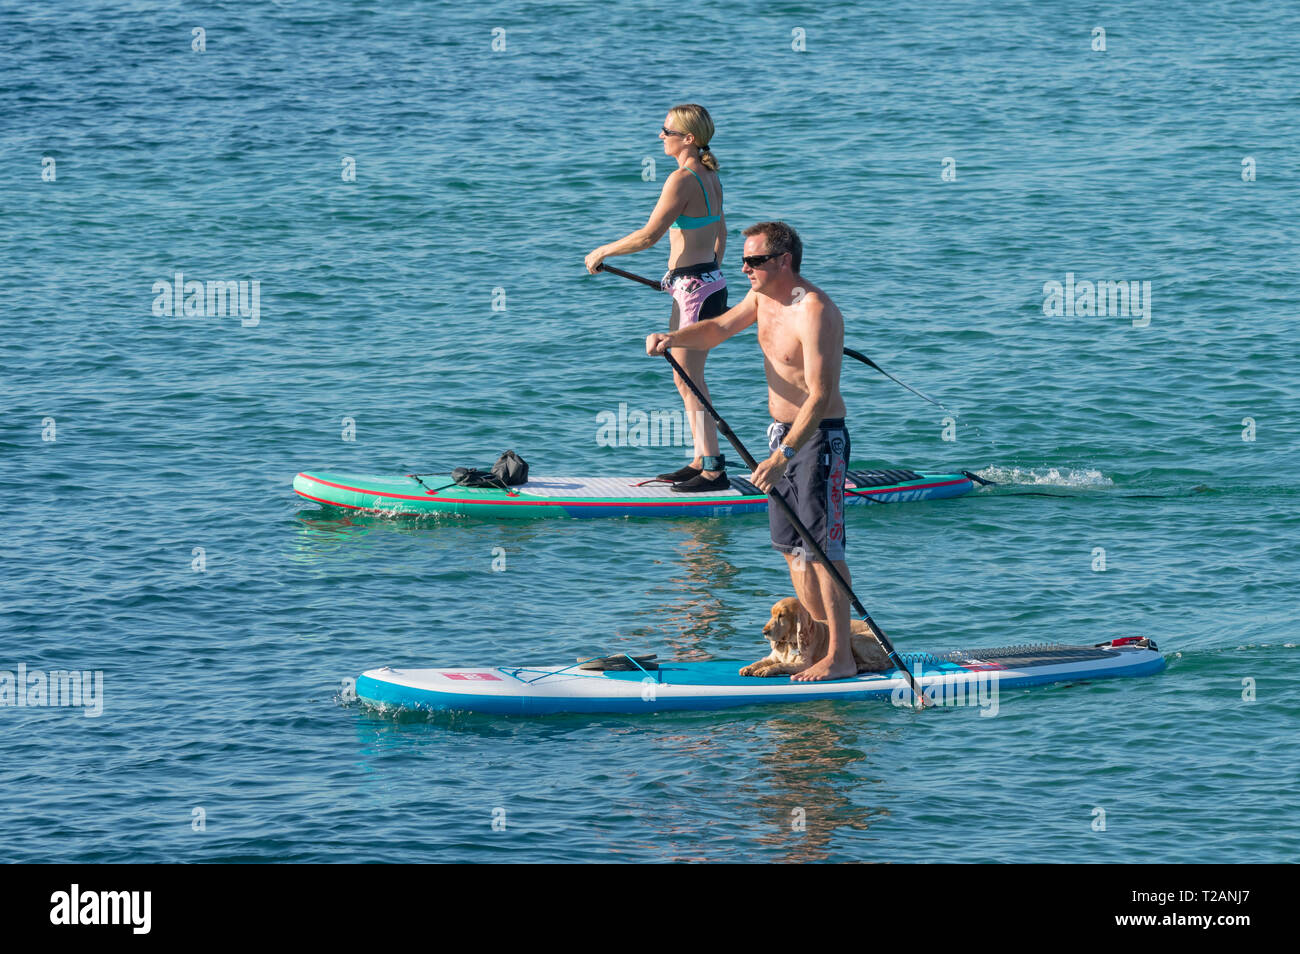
510,470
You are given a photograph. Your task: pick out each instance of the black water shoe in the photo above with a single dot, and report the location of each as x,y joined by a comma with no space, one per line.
699,484
686,473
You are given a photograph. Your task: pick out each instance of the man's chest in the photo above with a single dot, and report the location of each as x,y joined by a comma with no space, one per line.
779,340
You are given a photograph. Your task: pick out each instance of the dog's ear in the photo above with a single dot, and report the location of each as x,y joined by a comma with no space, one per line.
790,630
803,623
780,630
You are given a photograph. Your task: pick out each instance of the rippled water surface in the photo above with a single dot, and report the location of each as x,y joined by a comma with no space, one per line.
152,534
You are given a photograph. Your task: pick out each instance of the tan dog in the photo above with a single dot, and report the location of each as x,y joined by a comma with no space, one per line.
798,641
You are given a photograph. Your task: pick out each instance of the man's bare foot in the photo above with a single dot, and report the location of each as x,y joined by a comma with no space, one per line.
826,668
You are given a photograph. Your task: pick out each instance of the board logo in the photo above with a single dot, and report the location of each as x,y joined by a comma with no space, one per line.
980,665
473,676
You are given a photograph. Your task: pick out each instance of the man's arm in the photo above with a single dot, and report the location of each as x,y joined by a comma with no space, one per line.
709,333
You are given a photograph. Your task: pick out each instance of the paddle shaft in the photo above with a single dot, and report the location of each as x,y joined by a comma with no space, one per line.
813,545
602,267
871,364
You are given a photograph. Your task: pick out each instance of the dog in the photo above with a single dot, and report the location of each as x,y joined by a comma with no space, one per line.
798,641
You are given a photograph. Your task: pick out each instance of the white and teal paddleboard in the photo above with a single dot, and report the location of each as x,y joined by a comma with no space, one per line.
969,675
415,494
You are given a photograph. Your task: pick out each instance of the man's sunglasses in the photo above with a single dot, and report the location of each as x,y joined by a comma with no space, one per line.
753,261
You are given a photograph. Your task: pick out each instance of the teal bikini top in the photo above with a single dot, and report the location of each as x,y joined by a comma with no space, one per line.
697,221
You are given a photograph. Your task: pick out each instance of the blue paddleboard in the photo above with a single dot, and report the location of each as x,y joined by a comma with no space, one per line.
967,676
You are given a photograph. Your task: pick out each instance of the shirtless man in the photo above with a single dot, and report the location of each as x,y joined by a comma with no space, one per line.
801,333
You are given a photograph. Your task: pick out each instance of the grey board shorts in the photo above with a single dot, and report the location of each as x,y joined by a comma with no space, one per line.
813,485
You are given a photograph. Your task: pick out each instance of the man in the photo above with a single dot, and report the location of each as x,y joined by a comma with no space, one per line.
801,333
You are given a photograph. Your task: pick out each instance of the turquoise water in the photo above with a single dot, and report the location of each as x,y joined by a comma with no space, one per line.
155,537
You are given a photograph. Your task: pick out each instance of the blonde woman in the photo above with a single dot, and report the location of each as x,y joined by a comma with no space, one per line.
690,211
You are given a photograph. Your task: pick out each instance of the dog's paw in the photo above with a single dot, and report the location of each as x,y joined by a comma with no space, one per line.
751,670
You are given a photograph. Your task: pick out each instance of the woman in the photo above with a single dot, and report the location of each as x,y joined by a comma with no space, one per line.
690,210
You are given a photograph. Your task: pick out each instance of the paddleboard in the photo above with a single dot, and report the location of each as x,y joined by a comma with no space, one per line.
971,677
541,497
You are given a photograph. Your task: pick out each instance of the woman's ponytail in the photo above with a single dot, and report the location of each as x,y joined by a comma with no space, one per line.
708,158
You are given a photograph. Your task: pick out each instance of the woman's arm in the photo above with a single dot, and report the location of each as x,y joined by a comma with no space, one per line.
720,244
670,204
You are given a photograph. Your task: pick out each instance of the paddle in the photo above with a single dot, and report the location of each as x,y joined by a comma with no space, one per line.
752,464
871,364
602,267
